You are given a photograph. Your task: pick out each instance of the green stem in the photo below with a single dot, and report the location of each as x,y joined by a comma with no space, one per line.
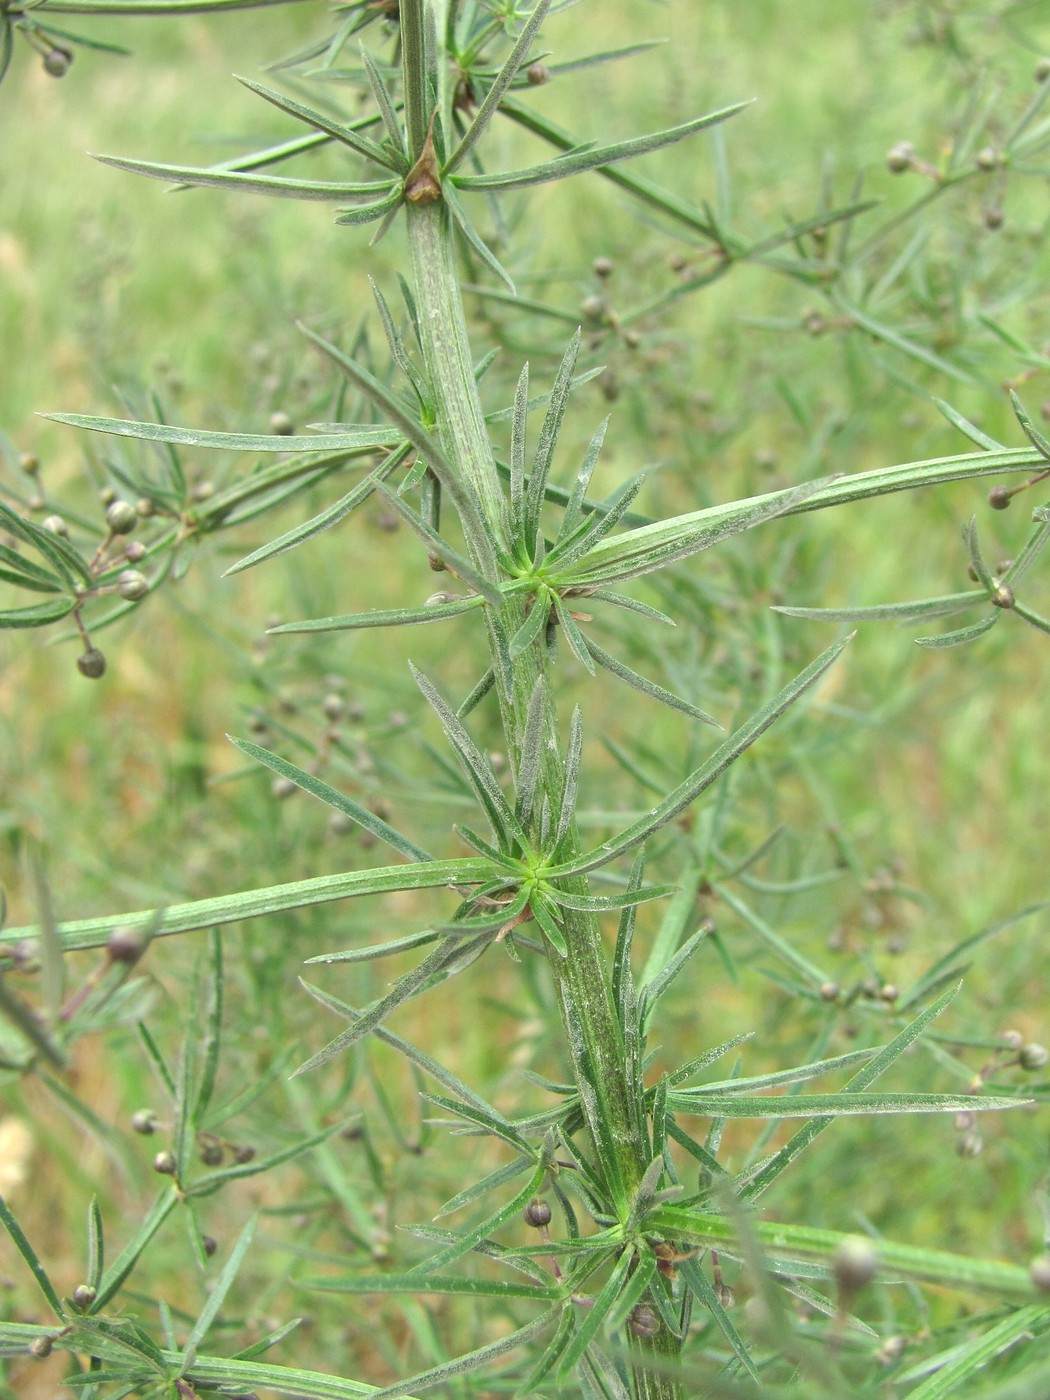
583,992
584,997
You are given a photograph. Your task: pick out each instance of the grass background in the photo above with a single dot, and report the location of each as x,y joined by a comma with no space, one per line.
931,766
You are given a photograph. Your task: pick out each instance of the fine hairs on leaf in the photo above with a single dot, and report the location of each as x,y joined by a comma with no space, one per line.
598,1001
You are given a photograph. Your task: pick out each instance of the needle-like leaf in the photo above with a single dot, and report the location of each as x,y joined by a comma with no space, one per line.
737,743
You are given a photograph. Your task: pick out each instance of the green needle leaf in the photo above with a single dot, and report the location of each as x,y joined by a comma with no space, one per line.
893,612
37,616
394,617
343,133
723,757
325,519
451,956
29,1254
479,771
962,635
220,1287
498,90
249,183
592,157
458,489
334,798
349,438
272,899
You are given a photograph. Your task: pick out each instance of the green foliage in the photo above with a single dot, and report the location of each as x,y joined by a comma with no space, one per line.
634,1173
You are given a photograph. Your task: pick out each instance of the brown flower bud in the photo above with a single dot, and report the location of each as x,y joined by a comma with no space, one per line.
537,1213
121,517
126,945
132,585
56,62
91,663
855,1263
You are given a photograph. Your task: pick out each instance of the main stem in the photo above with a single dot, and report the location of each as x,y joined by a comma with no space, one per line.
584,996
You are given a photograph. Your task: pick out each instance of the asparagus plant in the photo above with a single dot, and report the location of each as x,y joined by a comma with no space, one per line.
624,1254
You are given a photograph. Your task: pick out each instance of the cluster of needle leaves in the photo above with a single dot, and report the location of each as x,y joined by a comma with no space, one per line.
623,1288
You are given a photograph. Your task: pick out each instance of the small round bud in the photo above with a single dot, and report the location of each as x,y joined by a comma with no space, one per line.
644,1321
1012,1040
1039,1272
899,158
144,1121
203,490
537,74
632,339
972,574
339,824
209,1150
282,788
970,1144
107,495
994,218
397,719
29,463
829,991
999,497
83,1296
126,945
132,585
281,424
56,62
987,158
36,501
593,308
91,663
602,267
55,525
209,1245
334,706
1042,70
165,1163
243,1154
41,1347
121,517
537,1213
891,1350
1033,1056
134,551
1003,596
855,1263
888,993
144,508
